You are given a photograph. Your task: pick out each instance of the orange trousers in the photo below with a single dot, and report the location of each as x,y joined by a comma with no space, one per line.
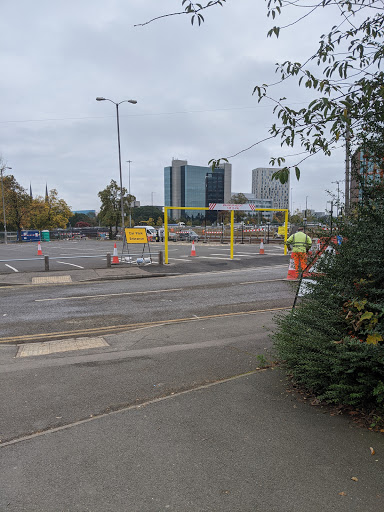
300,259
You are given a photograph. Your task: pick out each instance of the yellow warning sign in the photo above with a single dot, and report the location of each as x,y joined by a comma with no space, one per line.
136,235
281,230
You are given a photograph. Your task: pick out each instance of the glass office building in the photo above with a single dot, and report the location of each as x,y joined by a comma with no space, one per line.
195,186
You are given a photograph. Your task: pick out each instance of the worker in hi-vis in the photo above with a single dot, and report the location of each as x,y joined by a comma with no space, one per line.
299,243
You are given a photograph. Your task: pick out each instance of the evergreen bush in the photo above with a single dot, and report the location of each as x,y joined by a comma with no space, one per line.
332,343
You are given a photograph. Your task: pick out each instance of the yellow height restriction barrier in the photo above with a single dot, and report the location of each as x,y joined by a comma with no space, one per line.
223,207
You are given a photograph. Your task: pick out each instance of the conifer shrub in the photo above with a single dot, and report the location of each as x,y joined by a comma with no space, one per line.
332,343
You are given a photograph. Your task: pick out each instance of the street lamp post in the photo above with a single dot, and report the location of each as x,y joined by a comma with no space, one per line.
100,98
129,191
2,193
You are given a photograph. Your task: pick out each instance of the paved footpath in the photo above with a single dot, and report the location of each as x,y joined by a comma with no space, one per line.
216,434
240,445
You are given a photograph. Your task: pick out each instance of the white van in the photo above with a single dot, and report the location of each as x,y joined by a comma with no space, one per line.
151,232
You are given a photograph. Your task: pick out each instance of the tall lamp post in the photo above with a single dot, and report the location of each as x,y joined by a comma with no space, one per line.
129,191
2,169
100,98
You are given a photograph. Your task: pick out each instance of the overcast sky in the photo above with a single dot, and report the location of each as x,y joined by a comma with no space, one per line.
193,86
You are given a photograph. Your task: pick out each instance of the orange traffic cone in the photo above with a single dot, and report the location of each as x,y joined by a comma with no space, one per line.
115,258
39,251
193,250
292,272
261,248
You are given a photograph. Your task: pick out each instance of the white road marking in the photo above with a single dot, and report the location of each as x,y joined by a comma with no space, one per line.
12,268
179,259
109,295
217,258
232,271
264,281
72,264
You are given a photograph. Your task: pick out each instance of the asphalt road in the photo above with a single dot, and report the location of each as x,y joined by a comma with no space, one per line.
85,254
83,308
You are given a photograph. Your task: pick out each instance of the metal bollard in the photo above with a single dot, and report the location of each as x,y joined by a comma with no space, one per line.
161,258
46,263
109,263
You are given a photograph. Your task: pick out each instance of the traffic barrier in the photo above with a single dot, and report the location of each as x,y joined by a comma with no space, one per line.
115,258
39,251
193,250
261,248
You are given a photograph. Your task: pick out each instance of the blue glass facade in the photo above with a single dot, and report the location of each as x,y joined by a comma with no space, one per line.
192,186
167,186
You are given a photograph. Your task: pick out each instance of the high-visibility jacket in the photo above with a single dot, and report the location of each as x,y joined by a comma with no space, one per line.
299,242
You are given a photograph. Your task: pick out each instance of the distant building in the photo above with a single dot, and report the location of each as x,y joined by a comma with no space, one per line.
90,213
195,186
364,172
259,203
264,187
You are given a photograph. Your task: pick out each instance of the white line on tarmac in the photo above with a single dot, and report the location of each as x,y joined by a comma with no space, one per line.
217,258
264,281
179,259
108,295
232,271
72,264
13,268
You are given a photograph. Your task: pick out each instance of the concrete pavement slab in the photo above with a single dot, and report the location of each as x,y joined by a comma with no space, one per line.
244,444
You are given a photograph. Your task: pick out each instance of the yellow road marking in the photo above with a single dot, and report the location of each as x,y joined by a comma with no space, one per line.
112,328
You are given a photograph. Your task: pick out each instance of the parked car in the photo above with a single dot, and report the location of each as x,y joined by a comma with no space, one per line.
188,236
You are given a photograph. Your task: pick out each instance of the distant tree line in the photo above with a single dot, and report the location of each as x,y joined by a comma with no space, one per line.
24,212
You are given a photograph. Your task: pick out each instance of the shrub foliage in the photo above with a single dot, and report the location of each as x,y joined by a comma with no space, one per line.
332,343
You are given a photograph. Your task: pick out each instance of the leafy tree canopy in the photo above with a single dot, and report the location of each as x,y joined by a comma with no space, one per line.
238,199
146,215
110,211
82,217
50,212
17,204
343,74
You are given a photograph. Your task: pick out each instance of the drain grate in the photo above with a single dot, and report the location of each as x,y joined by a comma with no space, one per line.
51,279
52,347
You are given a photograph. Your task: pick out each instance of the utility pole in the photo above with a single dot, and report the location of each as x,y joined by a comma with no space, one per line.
338,197
347,169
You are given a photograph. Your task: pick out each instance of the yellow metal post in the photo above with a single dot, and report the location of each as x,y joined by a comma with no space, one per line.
285,231
232,229
166,235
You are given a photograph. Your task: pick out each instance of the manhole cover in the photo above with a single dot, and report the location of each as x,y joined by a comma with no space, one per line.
52,347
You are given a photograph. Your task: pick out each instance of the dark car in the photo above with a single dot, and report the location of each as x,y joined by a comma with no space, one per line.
188,236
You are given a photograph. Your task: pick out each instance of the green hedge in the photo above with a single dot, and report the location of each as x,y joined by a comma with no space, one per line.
332,343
